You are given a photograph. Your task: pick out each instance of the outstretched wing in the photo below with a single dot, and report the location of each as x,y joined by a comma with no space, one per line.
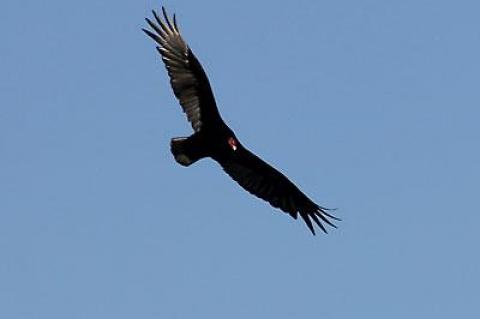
265,182
187,78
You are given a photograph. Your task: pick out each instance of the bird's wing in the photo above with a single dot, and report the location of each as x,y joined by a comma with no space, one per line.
187,77
265,182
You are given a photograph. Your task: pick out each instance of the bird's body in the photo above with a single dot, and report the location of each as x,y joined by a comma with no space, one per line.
213,138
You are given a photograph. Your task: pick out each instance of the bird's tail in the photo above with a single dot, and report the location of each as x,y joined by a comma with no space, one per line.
185,150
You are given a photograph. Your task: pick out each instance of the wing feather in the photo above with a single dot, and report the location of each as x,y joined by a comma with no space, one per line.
267,183
187,77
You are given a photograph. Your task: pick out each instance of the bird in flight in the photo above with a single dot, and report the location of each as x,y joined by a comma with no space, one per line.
213,138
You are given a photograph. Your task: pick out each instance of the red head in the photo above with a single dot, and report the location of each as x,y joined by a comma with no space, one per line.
232,142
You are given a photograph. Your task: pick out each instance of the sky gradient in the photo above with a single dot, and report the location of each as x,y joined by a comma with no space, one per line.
371,107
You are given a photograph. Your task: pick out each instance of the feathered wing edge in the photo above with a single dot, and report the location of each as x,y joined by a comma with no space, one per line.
187,77
265,182
319,212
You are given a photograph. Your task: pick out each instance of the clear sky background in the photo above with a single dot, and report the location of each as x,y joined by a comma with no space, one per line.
371,107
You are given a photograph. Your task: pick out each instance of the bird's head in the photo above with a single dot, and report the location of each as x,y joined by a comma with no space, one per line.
232,143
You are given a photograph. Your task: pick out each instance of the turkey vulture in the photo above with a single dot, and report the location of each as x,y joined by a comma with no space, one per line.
213,138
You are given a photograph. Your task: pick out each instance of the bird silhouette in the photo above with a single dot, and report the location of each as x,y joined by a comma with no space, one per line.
213,138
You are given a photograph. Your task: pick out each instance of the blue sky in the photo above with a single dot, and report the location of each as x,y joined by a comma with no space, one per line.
369,106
